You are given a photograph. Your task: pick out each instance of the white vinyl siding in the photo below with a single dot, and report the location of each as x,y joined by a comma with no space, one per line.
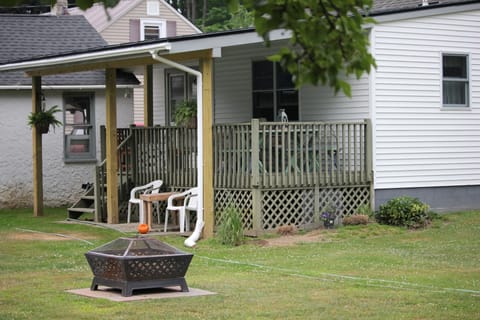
138,102
233,90
419,143
321,104
158,95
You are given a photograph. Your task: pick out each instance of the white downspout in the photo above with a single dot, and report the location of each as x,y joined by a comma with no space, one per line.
191,241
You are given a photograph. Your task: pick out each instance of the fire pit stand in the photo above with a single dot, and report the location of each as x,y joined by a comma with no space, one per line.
138,263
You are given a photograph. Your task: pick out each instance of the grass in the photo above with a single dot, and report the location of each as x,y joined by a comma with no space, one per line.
358,272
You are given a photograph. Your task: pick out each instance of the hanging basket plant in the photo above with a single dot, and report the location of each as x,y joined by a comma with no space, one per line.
44,119
186,114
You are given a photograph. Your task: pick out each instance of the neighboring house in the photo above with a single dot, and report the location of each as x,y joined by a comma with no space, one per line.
420,108
71,152
136,20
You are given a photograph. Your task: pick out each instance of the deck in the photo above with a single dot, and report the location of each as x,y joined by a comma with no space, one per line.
274,173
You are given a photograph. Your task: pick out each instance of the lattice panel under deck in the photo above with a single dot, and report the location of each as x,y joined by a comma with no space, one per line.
346,200
291,206
287,207
240,199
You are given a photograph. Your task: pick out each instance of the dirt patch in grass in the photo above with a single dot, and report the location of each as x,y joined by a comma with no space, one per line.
319,235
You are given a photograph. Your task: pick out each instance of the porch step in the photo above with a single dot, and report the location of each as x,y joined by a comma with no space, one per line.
86,204
82,210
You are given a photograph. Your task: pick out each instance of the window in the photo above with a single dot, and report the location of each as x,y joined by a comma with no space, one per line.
273,90
455,80
79,137
181,86
152,29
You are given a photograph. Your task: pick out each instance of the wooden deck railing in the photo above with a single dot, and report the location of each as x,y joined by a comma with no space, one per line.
294,154
147,154
263,155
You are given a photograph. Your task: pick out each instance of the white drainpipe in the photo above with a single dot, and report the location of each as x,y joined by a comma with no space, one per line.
191,241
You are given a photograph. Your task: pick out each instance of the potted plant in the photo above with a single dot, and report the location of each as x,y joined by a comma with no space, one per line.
186,113
43,119
329,215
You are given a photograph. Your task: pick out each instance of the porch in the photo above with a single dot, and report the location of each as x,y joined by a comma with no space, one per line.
274,173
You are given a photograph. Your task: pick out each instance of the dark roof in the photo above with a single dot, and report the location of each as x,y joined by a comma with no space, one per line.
31,36
396,6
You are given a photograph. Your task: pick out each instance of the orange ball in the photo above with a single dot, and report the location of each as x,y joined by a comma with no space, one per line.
143,228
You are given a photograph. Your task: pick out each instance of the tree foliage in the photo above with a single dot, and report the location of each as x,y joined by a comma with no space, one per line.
328,39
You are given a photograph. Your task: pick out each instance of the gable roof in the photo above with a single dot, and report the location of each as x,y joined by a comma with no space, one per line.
100,21
31,36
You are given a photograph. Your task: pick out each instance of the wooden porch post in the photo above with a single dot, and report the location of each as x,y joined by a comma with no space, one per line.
256,192
37,150
111,148
206,65
369,161
148,96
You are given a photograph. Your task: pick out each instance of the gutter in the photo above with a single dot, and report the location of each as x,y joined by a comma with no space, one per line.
71,58
68,87
191,241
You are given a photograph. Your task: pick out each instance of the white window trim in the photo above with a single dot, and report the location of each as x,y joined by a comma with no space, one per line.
162,26
468,104
87,156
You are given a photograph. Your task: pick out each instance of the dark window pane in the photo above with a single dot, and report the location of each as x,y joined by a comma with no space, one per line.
455,67
454,92
288,100
284,79
263,105
262,75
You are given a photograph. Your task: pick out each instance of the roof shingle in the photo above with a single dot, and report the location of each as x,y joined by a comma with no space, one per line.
31,36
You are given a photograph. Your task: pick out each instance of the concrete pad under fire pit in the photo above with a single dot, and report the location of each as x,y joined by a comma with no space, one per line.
144,294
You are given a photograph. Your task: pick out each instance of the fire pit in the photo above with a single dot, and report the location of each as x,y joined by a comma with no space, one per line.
138,263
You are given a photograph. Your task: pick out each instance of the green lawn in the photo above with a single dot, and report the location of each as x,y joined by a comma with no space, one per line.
369,272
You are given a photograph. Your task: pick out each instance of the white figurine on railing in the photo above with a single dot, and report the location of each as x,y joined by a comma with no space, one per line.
282,115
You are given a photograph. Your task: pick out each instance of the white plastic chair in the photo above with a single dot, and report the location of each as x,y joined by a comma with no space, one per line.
190,203
152,187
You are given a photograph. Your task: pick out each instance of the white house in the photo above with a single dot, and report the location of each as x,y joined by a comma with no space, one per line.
422,100
70,152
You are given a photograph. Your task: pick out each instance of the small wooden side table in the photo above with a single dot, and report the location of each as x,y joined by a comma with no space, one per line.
147,204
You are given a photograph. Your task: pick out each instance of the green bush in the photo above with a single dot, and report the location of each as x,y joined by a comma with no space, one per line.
230,230
404,211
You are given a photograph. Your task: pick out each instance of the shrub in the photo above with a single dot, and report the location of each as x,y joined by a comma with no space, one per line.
355,219
230,230
404,211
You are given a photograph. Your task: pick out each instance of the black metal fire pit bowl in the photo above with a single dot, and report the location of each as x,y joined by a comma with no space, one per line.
138,263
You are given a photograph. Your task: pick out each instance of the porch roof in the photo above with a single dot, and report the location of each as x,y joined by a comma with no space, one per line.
138,53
